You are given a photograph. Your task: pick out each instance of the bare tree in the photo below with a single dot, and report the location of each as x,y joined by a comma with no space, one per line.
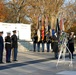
69,13
16,7
33,8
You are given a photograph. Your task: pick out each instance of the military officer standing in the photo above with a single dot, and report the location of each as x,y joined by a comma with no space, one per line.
48,37
14,46
1,47
48,41
8,47
35,38
55,45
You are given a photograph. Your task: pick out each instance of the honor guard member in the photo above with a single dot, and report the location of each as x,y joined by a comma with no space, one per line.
48,37
53,32
39,35
8,47
43,38
35,41
1,47
48,41
71,44
14,41
55,45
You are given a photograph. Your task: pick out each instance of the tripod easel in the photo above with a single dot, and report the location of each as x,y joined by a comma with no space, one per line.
63,50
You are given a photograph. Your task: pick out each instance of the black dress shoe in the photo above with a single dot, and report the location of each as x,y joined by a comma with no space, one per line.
72,57
38,51
56,57
34,51
1,62
42,51
8,61
15,60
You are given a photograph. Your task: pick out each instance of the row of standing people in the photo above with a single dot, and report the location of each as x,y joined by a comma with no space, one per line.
11,45
50,41
36,43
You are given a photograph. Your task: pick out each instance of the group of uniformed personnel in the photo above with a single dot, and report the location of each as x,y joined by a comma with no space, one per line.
11,46
49,40
36,43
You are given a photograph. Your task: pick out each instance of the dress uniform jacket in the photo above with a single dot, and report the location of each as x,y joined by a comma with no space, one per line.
14,47
8,48
7,42
14,41
55,43
35,38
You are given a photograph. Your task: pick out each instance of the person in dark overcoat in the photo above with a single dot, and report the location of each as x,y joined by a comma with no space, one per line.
14,41
55,45
1,47
8,47
71,43
35,38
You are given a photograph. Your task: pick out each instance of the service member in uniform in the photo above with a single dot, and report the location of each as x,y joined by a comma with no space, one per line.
38,45
35,38
48,41
48,37
8,47
1,47
71,44
14,41
43,44
53,32
55,45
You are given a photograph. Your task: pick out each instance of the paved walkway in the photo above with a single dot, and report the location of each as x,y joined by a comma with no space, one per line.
34,63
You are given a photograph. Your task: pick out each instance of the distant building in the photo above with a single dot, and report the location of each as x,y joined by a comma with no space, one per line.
23,30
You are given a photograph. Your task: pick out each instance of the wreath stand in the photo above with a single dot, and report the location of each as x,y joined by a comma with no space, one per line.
62,52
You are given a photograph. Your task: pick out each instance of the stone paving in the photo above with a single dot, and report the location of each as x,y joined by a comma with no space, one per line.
37,63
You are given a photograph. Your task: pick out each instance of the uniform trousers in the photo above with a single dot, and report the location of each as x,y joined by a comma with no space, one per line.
8,55
14,54
1,56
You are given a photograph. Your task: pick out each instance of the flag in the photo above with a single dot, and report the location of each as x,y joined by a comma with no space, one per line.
43,28
46,21
46,25
38,34
38,29
53,32
61,24
57,26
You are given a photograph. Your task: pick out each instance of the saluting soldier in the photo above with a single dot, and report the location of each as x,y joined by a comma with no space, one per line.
1,47
14,45
8,47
